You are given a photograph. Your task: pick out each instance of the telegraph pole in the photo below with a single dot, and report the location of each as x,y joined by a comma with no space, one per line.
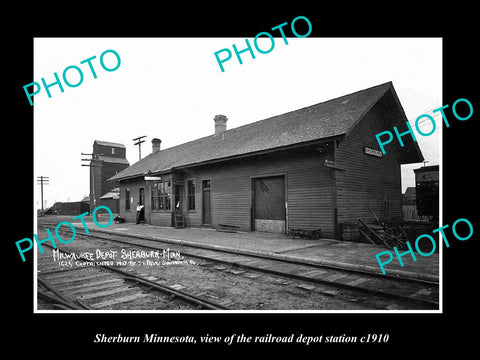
93,200
139,142
40,181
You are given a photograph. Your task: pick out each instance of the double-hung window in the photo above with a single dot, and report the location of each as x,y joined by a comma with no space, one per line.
127,199
161,196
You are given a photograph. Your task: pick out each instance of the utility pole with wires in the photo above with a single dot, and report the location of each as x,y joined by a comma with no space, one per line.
40,181
139,142
93,200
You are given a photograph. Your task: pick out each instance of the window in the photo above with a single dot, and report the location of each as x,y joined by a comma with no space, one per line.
161,195
191,194
113,151
127,199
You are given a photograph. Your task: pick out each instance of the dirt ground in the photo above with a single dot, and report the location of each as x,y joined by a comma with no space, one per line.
234,287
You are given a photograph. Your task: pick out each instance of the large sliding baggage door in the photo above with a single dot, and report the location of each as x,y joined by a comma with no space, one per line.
269,204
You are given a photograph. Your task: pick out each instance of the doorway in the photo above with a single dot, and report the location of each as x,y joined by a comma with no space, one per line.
141,200
269,204
206,203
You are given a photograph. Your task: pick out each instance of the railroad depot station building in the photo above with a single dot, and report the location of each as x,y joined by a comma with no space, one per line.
312,168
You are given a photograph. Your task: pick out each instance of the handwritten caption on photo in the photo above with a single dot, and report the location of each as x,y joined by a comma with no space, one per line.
122,257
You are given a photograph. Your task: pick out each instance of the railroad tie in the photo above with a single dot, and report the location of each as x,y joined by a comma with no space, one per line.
227,302
358,281
119,300
150,278
68,281
177,287
336,277
306,286
422,292
115,291
313,273
92,285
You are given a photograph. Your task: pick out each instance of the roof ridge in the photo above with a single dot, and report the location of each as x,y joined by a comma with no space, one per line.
322,120
312,105
111,143
389,83
286,113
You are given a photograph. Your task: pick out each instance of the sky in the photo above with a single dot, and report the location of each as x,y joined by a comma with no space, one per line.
171,88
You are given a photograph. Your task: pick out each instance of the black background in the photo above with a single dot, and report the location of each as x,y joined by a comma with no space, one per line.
410,334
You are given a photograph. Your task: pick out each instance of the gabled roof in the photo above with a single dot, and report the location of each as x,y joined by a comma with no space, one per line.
410,192
108,143
111,159
325,120
112,194
427,169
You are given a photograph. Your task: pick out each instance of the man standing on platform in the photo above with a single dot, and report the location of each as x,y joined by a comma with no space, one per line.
140,212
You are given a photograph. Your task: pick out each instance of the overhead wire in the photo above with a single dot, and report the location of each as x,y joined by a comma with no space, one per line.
413,121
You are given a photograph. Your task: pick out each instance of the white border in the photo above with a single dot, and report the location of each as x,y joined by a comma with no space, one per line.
439,311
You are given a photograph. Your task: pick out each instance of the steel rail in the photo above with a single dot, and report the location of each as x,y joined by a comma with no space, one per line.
404,298
59,298
201,303
262,256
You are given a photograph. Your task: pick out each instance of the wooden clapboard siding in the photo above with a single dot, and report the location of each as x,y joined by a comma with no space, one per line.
310,194
317,196
160,218
130,215
308,189
367,179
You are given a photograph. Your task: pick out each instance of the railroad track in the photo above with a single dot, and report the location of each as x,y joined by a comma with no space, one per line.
419,293
105,287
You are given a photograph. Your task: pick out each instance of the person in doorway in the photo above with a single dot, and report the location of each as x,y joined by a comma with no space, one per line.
139,212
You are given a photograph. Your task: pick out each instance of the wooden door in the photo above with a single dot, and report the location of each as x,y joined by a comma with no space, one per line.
206,203
269,204
141,200
141,196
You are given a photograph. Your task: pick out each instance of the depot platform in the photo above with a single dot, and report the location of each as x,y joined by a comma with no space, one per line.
329,252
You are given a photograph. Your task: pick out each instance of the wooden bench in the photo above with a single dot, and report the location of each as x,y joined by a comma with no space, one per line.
228,228
308,234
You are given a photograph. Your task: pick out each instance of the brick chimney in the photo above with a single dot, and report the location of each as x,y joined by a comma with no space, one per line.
156,144
220,124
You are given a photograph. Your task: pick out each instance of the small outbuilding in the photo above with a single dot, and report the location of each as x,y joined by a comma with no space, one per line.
312,168
111,199
70,208
427,188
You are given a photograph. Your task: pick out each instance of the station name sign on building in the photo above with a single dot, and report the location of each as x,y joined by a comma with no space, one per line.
373,152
